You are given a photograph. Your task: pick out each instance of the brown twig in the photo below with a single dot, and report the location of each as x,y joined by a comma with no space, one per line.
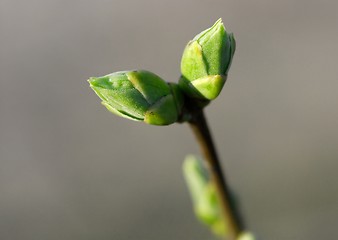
201,130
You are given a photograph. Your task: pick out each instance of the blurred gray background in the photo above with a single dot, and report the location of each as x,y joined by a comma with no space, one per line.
71,170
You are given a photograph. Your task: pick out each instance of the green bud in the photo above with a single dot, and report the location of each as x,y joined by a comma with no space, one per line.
206,61
203,193
140,96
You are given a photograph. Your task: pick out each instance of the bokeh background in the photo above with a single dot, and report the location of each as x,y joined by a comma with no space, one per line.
71,170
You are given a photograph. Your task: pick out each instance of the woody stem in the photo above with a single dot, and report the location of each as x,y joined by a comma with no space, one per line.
230,214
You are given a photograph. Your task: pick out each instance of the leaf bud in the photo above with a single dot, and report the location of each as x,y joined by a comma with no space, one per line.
206,61
140,96
203,193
